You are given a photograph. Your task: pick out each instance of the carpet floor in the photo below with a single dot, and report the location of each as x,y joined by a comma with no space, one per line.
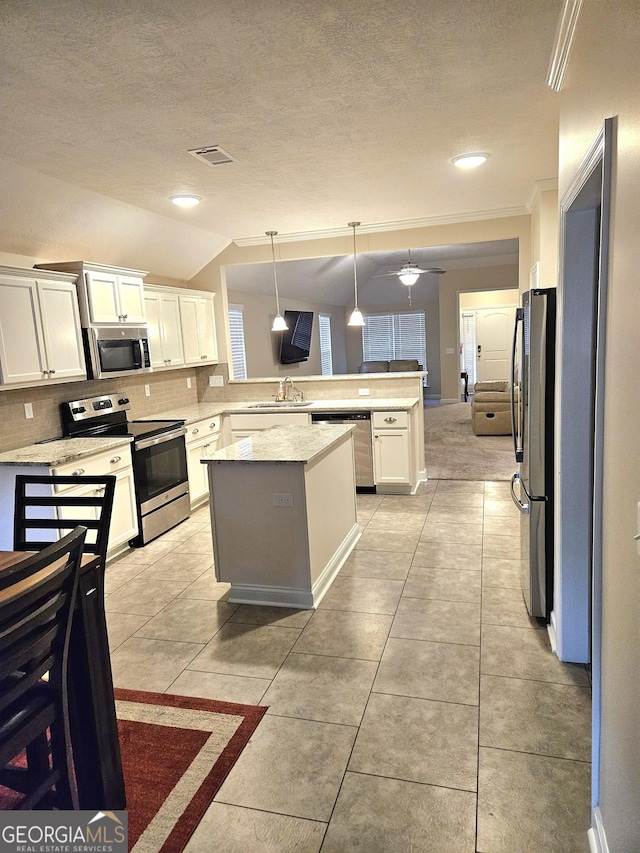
176,753
453,452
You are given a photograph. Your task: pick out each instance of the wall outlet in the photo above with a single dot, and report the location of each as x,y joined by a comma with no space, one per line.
363,392
282,499
188,382
216,381
28,410
451,350
147,391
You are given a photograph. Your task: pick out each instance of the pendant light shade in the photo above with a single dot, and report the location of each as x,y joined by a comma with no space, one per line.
356,318
279,323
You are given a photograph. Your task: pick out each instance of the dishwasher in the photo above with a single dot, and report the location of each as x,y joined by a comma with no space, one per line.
361,443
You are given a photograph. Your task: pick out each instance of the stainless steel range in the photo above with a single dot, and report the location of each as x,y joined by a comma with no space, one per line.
159,458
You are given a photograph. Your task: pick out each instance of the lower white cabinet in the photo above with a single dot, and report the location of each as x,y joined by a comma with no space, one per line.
124,519
391,448
202,439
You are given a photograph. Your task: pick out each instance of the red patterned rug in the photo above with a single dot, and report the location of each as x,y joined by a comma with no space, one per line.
176,753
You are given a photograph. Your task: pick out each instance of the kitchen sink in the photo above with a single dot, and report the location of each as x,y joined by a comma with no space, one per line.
277,404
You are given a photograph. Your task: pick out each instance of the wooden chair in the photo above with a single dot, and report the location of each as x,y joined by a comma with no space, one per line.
43,511
36,604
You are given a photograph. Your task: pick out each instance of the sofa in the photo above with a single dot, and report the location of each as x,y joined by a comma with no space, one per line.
491,408
397,365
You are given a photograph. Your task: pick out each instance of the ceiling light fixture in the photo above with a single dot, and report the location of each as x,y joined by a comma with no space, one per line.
470,161
185,200
279,323
356,318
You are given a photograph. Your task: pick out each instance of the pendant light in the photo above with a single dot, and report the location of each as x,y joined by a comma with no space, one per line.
356,318
279,323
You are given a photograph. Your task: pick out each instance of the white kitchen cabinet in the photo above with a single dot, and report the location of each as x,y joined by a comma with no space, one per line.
162,310
40,333
197,320
243,425
202,439
391,449
124,519
109,296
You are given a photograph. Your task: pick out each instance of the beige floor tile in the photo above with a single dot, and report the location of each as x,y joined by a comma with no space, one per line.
363,595
292,767
379,540
150,553
442,584
525,653
188,620
119,573
536,717
437,621
500,572
283,617
528,803
418,740
419,502
448,555
446,672
377,564
461,534
250,650
452,515
178,566
239,830
499,491
505,606
460,487
224,688
141,664
199,543
378,815
395,522
342,634
121,626
317,687
459,499
501,525
501,546
207,587
142,597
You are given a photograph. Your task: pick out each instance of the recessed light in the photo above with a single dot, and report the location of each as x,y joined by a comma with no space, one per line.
185,200
470,161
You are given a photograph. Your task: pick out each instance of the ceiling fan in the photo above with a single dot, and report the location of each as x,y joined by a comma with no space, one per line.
410,272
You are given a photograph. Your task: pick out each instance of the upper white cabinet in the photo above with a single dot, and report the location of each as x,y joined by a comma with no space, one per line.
162,310
109,296
40,332
197,319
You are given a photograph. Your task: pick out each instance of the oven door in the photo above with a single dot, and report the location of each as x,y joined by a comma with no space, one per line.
160,469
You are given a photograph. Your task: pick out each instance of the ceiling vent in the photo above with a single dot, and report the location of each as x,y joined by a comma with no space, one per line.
213,155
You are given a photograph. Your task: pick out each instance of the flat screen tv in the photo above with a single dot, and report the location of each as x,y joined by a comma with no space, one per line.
296,340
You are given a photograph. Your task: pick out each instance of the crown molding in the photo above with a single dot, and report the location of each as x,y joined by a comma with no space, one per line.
537,188
378,227
563,42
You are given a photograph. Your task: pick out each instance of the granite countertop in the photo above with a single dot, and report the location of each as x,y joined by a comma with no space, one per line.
60,451
190,414
283,444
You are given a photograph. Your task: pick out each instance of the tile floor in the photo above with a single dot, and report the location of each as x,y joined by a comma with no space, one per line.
418,709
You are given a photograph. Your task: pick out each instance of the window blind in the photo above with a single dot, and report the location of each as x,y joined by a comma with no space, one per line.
324,324
236,329
395,335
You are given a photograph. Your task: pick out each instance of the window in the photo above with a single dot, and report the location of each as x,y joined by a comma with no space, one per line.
324,321
469,346
236,329
389,336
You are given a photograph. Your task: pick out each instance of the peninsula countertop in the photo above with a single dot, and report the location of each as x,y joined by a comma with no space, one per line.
59,451
298,444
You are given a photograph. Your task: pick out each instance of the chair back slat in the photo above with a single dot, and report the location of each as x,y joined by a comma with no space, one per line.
37,514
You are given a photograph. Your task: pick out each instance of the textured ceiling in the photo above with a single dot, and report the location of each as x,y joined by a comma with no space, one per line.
334,111
330,280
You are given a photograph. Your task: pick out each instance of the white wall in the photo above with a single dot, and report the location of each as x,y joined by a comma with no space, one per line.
603,80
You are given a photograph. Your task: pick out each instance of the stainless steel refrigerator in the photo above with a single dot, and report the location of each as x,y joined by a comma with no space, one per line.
532,403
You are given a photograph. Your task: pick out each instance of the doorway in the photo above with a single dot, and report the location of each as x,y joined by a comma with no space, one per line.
486,329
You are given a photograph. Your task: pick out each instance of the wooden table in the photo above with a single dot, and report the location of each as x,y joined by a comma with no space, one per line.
94,731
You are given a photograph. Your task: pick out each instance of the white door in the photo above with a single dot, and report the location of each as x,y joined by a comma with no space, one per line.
494,334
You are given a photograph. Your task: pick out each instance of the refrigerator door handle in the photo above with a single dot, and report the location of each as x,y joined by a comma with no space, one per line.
516,425
524,508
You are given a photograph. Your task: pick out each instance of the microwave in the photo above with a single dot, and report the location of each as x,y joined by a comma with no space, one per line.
114,351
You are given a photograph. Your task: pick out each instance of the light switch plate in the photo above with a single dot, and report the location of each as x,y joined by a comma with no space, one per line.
450,350
216,381
282,499
147,391
28,410
363,392
188,382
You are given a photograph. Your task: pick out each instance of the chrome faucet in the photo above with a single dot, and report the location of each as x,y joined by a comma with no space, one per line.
293,394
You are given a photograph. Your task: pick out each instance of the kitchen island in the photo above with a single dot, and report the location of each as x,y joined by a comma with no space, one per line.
283,513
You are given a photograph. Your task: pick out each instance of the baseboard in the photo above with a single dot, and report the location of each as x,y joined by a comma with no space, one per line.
596,835
334,565
551,631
